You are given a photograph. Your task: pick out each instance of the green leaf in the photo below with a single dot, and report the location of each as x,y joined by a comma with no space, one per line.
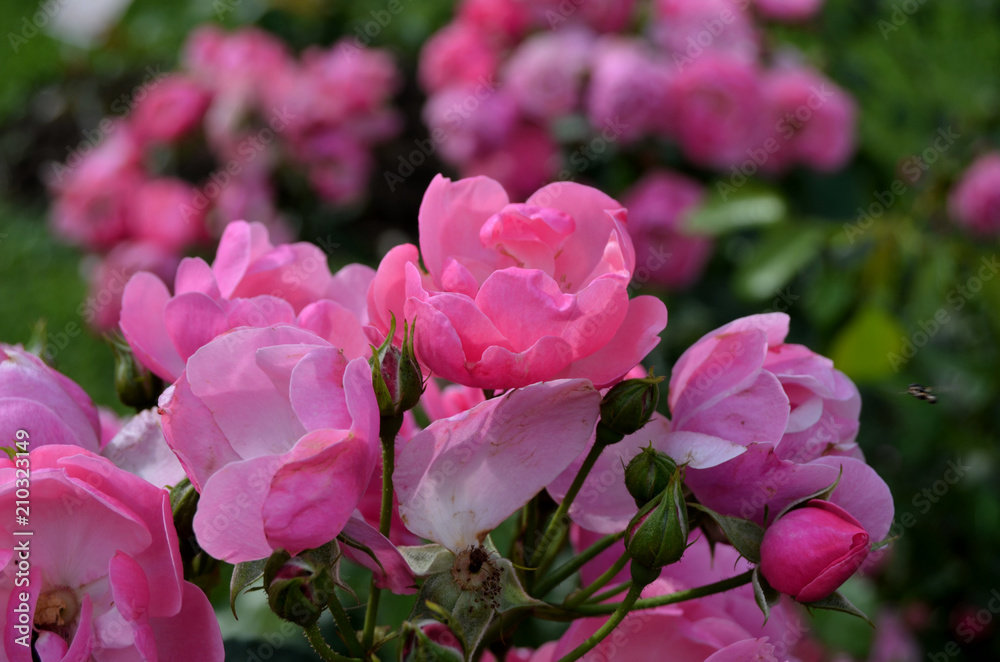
743,534
244,574
736,212
837,602
763,593
776,260
426,560
869,348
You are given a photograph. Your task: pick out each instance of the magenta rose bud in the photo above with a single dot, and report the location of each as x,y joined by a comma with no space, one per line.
811,551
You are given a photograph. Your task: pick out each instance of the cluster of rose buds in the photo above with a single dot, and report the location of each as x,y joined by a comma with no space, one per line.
287,410
256,107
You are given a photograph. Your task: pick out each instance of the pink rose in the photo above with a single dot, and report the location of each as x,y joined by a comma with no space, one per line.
658,206
518,293
545,74
466,120
173,107
604,16
51,406
457,54
250,283
689,29
105,574
628,88
107,280
789,10
813,120
974,202
505,19
810,551
718,108
165,212
270,424
93,193
526,160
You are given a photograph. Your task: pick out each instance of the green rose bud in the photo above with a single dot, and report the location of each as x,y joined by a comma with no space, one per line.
396,375
659,538
627,407
298,588
136,386
648,474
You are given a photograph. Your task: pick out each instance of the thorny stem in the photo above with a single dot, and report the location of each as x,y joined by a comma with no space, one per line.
322,648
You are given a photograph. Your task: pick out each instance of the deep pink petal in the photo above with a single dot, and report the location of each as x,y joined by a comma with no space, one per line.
192,320
194,628
387,292
863,494
392,571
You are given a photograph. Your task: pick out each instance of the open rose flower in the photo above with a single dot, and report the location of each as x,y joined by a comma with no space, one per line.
278,431
105,580
516,294
50,405
250,283
810,551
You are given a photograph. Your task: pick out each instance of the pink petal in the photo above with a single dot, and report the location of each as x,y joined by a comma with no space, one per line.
451,215
350,289
194,628
337,325
863,494
455,478
394,573
143,302
387,293
192,320
240,244
757,413
262,310
194,275
317,392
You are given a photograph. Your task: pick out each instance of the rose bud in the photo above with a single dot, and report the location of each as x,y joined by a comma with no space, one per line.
627,407
648,474
812,550
661,538
396,375
298,588
136,386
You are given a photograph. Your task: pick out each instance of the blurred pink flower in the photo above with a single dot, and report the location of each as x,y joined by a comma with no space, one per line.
789,10
49,405
810,551
270,424
506,19
526,161
164,212
690,29
628,87
458,54
112,272
518,293
975,199
175,106
546,72
813,120
718,110
658,206
105,576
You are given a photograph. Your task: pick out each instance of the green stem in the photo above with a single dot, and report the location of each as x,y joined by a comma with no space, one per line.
617,617
388,429
560,517
322,648
669,599
347,632
560,574
611,592
599,583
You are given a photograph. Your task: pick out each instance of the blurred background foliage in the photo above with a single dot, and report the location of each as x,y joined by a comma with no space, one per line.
856,291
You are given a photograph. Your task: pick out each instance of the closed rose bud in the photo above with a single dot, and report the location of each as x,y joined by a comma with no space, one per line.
648,474
298,588
812,550
396,375
661,538
136,386
627,407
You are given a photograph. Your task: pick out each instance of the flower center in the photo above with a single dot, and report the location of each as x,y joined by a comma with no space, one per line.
475,571
56,608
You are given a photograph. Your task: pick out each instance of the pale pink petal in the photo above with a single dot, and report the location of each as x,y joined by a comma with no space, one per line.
350,289
233,257
337,325
194,275
261,310
757,413
454,478
315,389
192,320
194,628
194,436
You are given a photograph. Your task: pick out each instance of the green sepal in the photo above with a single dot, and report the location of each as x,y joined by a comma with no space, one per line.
765,595
244,574
837,602
743,534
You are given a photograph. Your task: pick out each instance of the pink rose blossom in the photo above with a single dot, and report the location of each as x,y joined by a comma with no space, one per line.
545,74
49,405
518,293
690,29
506,19
810,551
604,16
458,54
105,578
789,10
250,283
271,423
627,89
718,108
466,120
975,200
453,479
164,212
814,120
93,193
175,106
658,206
